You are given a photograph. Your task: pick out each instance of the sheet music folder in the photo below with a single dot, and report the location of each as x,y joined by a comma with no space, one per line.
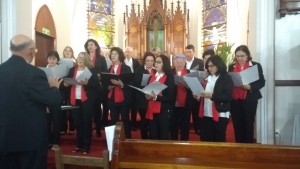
125,78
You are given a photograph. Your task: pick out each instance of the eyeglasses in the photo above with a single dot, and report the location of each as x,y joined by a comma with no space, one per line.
209,66
240,56
158,62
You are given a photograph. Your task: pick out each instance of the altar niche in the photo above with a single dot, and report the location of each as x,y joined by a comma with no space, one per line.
156,26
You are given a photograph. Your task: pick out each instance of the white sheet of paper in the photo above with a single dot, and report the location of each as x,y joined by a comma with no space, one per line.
71,81
85,75
250,75
145,79
47,71
201,75
236,78
245,77
156,87
195,68
59,71
67,62
194,84
109,134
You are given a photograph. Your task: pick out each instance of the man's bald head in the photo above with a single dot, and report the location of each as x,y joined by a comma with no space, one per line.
23,46
20,42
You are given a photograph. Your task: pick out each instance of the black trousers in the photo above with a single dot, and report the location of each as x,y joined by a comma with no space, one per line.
211,130
115,111
97,113
144,124
54,124
160,125
243,116
67,121
180,122
24,159
195,114
83,123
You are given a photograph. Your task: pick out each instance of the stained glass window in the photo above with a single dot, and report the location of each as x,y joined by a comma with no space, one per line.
214,22
101,25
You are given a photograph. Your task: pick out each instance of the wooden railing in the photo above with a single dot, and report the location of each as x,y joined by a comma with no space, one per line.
61,160
155,154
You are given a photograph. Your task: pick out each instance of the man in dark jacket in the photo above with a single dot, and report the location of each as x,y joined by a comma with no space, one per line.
25,94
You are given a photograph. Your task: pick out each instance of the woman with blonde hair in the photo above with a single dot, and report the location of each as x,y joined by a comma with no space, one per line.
83,95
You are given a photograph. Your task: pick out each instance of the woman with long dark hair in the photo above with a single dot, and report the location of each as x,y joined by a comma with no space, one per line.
160,107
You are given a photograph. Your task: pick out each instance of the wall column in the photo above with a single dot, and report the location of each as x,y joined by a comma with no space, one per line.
8,27
265,38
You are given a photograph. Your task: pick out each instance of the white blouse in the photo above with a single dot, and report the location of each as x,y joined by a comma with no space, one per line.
211,82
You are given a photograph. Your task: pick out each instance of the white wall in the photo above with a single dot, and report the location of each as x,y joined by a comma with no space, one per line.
70,18
8,27
287,61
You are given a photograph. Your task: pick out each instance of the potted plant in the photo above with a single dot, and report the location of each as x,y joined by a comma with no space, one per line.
224,51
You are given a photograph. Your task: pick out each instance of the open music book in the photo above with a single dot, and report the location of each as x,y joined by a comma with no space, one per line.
125,78
156,87
245,77
56,71
194,84
85,75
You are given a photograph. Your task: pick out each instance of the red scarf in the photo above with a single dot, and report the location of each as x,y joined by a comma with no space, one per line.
215,112
238,92
73,91
117,90
153,105
181,91
151,71
94,59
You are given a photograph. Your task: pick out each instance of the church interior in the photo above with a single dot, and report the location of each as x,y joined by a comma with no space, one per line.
271,30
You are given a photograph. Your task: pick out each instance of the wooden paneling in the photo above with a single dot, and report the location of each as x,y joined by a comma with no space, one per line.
45,35
175,31
166,154
44,19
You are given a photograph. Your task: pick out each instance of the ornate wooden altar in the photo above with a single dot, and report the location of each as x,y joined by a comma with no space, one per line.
157,26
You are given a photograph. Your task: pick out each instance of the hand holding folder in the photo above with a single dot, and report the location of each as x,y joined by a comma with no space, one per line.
107,77
155,87
81,79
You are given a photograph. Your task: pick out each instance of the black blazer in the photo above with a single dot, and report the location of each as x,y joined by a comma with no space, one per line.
25,94
92,86
197,62
100,65
135,65
222,94
126,89
254,93
140,102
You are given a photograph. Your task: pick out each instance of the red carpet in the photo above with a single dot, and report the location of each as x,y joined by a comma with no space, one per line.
68,142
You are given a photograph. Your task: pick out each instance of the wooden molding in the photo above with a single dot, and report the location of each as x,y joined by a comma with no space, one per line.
287,83
289,7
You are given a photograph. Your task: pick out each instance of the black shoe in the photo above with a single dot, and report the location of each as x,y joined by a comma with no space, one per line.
85,151
76,150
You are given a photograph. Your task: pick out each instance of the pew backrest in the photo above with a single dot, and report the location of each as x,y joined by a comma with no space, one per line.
130,153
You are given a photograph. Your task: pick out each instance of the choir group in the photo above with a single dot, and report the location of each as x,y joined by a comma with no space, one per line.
164,115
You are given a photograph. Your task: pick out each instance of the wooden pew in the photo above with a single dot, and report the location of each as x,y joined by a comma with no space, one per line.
61,160
129,153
